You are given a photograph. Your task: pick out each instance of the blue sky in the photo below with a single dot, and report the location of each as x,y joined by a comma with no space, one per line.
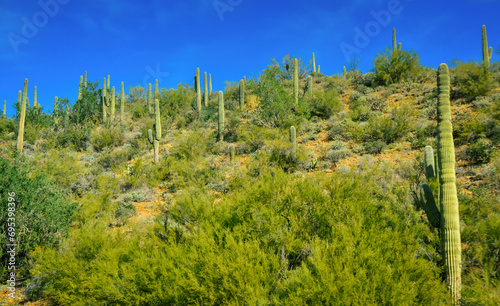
53,42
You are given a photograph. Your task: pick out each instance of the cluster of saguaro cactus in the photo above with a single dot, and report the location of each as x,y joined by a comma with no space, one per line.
221,116
155,139
296,80
293,141
20,137
448,218
198,89
487,52
242,93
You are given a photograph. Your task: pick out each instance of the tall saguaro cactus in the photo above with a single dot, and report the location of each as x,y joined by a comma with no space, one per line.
150,101
155,139
449,220
4,106
296,80
487,52
344,73
56,108
122,103
113,103
85,80
314,63
104,102
20,137
198,90
242,93
80,87
209,84
35,102
108,80
205,93
221,116
394,43
157,91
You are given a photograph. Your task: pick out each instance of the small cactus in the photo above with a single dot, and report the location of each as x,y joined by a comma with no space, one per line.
430,169
35,104
20,137
113,103
242,93
209,84
232,153
56,107
4,106
296,80
318,69
487,52
293,141
344,73
104,102
394,43
221,116
85,80
205,93
155,139
122,102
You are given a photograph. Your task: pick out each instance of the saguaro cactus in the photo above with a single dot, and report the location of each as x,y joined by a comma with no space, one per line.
314,63
293,141
113,103
4,106
344,73
108,80
394,43
34,98
104,102
56,107
85,81
242,93
221,116
150,101
319,68
232,153
20,137
205,93
209,84
449,220
122,103
198,90
155,139
296,80
487,52
80,87
157,91
430,168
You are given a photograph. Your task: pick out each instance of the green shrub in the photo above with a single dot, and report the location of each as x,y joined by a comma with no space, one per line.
392,67
470,81
75,137
324,104
375,147
480,151
107,138
41,215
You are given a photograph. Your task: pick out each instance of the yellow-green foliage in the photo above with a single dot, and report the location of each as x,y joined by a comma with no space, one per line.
106,138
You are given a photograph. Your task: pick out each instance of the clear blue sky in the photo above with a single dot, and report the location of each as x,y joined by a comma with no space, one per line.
52,42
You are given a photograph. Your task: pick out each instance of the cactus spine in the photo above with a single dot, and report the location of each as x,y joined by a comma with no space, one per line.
221,116
149,98
198,90
296,80
314,63
209,84
113,103
80,87
20,137
293,141
155,141
487,52
205,93
242,93
4,106
122,102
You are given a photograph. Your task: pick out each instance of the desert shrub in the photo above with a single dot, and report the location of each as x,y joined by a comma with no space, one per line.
335,155
107,138
40,217
324,104
392,67
7,126
480,151
391,128
375,147
470,81
74,137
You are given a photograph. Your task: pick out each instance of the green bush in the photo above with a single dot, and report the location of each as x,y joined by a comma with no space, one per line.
470,81
41,215
393,67
107,138
480,151
324,104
